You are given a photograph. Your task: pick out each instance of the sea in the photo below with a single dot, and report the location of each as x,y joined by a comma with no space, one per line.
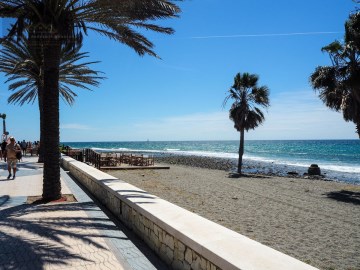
339,160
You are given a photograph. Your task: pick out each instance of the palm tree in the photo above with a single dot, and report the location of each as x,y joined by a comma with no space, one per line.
51,23
23,65
245,114
339,84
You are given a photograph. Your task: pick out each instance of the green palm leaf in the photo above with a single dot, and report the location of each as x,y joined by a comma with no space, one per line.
18,62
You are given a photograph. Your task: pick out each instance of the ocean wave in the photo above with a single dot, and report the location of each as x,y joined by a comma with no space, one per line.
110,149
297,165
207,154
339,159
303,164
342,168
347,174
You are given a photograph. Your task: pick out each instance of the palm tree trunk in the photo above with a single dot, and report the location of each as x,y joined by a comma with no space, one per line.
41,102
358,128
36,47
51,134
241,150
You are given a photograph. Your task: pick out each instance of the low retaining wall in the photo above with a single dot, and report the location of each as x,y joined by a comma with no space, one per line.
181,238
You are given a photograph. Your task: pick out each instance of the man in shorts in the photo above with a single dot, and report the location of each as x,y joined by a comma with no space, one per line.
11,149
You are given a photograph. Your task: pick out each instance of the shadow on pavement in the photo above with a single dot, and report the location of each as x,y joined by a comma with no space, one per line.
35,235
130,235
4,199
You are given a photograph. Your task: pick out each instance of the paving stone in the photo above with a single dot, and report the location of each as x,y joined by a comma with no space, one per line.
61,236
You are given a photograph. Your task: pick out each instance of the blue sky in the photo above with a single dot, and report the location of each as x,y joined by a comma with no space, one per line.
180,96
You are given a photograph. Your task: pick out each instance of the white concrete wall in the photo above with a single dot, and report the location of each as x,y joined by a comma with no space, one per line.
181,238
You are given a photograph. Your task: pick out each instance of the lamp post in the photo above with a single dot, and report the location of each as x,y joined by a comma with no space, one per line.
5,133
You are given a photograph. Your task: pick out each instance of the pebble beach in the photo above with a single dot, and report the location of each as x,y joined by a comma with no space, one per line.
313,220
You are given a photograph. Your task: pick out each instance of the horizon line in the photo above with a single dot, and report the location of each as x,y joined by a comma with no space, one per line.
61,142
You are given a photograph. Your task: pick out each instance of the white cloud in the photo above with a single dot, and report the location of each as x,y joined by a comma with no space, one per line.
179,68
75,126
266,35
301,115
200,126
292,115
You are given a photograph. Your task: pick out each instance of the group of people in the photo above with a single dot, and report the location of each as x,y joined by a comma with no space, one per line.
29,147
12,152
26,147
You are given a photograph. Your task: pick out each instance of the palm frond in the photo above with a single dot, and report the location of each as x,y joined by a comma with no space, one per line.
247,95
22,67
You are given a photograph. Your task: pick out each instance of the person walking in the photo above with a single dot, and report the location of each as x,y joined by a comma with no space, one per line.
3,149
23,147
11,149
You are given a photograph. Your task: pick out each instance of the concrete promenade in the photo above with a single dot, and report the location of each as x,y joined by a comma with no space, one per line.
72,235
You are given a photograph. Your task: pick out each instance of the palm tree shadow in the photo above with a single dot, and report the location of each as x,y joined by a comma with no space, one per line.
4,199
33,251
345,196
27,165
41,237
247,175
140,194
137,194
129,234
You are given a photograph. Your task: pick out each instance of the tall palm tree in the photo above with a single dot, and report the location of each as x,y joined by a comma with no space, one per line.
23,65
55,22
244,112
339,83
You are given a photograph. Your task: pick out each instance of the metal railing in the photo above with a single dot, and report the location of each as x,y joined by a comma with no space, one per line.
101,160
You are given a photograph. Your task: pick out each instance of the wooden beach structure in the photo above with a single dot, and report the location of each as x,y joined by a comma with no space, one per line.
113,161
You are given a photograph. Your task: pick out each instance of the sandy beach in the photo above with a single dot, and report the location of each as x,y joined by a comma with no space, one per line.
315,221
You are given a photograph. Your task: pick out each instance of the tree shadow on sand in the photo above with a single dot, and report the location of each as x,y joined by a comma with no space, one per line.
40,239
247,175
345,196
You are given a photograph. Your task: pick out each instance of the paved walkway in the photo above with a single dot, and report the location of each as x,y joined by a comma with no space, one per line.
76,235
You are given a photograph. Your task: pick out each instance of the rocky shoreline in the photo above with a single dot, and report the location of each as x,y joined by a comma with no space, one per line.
252,167
230,165
198,161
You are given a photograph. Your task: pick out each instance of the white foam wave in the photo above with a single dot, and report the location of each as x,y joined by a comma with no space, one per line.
126,150
206,154
301,164
114,149
326,166
348,169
